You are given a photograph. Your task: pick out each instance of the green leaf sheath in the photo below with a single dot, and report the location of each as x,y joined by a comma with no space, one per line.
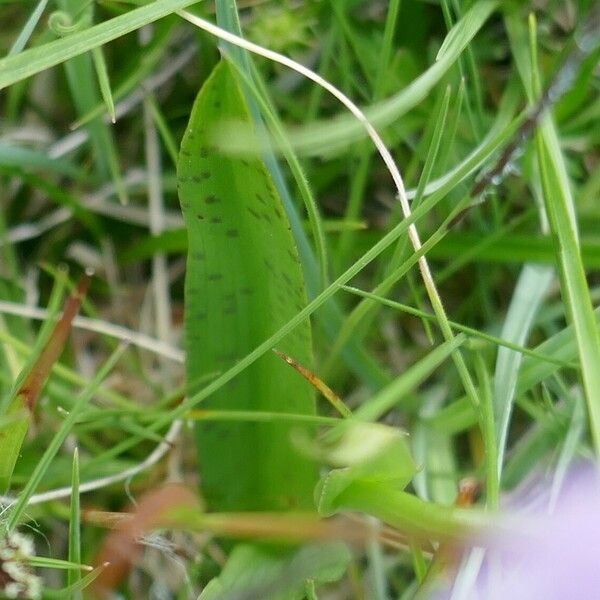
243,282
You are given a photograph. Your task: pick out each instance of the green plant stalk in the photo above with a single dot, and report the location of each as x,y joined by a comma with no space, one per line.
410,514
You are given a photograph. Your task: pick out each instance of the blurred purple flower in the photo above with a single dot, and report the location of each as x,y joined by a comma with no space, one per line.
543,555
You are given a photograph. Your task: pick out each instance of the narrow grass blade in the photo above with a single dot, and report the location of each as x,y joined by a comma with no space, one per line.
12,155
488,431
530,291
568,451
165,134
506,248
504,343
574,284
56,563
104,82
76,588
154,53
83,75
27,30
74,576
377,406
562,346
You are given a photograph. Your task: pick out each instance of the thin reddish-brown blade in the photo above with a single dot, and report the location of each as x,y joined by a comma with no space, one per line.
32,386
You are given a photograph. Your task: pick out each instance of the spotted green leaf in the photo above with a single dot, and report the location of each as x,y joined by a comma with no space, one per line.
243,282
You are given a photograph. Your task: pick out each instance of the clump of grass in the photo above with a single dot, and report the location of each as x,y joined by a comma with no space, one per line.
485,353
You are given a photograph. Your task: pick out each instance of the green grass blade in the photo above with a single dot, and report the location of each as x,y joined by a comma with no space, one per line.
470,331
243,282
532,286
77,588
562,346
488,431
310,204
104,82
377,406
501,247
12,155
74,576
27,30
44,562
568,452
154,53
163,129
